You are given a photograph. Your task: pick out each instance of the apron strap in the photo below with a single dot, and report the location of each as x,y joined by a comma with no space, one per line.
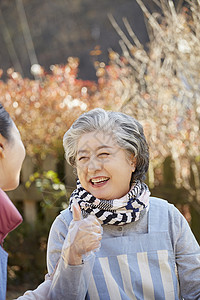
158,215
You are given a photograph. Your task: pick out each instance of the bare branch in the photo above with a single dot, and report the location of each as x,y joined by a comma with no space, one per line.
132,34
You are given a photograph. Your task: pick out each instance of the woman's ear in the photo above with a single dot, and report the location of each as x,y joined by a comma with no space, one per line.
2,140
133,162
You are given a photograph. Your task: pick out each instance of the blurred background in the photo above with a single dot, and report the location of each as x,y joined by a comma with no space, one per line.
48,32
60,59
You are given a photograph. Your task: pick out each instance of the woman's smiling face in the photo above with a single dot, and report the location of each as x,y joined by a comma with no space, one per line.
103,168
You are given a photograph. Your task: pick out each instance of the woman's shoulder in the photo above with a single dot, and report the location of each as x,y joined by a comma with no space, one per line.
161,207
64,218
57,235
66,215
61,222
163,204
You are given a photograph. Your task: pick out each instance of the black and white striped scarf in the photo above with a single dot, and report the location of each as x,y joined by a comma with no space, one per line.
116,212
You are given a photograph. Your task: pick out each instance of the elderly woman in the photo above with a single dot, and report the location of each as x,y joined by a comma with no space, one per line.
147,250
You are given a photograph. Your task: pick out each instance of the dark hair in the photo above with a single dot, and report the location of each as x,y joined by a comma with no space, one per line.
6,123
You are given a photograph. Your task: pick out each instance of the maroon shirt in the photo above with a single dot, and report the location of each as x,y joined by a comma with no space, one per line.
10,218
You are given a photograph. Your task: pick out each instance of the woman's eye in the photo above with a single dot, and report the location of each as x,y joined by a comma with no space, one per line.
83,158
104,155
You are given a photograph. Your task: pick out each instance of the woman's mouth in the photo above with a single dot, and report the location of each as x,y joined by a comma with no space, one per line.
99,181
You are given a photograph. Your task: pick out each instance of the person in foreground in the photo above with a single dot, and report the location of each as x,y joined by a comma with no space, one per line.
12,154
147,250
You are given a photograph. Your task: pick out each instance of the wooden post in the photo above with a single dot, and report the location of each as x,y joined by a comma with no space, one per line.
70,177
30,211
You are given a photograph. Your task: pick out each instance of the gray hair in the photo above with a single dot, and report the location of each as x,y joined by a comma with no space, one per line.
127,132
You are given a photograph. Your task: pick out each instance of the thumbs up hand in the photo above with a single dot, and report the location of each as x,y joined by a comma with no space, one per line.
84,236
77,216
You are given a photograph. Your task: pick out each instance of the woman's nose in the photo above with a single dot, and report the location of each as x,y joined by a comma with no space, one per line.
94,165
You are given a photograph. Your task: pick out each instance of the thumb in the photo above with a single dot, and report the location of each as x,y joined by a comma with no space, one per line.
77,216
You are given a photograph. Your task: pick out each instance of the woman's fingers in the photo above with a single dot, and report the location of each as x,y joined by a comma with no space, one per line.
84,234
93,219
90,228
76,211
87,240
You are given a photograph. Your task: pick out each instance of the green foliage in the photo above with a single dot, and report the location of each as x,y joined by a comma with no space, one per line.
53,190
26,247
27,244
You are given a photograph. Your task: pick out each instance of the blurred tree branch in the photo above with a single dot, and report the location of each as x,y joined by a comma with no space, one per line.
161,87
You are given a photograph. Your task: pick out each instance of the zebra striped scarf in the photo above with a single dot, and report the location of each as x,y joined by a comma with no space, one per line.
116,212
